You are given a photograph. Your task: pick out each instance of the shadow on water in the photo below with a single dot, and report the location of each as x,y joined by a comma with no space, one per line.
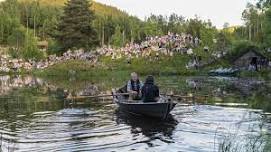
149,127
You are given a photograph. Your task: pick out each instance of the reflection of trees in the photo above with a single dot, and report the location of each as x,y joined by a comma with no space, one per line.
260,99
231,90
24,95
8,84
24,102
255,93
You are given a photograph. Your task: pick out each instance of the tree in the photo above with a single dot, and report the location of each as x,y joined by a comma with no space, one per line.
41,18
194,27
17,38
30,49
9,19
75,29
117,37
223,41
253,19
24,44
267,29
175,23
264,3
226,25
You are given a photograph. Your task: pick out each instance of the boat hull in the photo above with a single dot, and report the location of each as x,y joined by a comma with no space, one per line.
159,110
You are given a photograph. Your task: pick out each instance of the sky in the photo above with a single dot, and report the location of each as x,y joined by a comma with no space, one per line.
218,11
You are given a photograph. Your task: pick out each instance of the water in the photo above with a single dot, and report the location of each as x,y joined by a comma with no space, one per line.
35,117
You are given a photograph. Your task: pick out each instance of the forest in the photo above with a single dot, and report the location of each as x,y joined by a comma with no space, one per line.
24,23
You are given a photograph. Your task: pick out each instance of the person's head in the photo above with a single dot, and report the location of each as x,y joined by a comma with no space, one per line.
150,80
134,76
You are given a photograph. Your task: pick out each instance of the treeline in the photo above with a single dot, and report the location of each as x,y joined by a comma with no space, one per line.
257,28
25,22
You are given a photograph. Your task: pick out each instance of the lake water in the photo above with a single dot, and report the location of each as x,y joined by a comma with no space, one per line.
35,117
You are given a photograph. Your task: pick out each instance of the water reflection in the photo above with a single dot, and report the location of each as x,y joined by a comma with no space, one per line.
8,83
11,83
233,90
152,128
35,117
222,86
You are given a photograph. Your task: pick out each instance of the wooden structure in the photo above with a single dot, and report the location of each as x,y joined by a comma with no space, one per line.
251,58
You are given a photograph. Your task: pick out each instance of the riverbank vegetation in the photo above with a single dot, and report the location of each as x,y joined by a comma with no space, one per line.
116,68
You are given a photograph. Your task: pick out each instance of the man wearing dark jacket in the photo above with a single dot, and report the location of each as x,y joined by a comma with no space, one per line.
150,92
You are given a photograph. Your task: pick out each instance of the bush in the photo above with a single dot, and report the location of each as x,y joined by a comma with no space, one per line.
17,37
13,52
30,49
240,47
24,44
54,48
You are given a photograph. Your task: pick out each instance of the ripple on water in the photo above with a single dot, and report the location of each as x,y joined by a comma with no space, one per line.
191,128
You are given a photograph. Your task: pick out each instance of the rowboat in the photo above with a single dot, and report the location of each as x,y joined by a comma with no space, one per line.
160,109
230,72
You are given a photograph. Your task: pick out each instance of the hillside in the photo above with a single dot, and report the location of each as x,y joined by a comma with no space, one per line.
99,8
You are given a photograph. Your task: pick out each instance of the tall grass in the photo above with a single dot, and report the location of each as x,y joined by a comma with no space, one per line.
249,144
236,142
1,138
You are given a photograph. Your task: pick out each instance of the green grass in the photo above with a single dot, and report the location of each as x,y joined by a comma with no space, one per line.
108,68
264,74
119,68
21,72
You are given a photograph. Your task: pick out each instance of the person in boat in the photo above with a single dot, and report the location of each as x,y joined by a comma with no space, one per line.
150,92
134,87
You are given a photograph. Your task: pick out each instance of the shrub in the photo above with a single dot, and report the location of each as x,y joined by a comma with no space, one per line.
54,47
240,47
13,52
24,44
30,49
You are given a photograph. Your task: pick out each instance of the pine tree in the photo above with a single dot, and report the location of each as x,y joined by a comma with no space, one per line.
75,29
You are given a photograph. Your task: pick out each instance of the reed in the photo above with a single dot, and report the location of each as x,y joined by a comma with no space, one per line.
1,137
234,143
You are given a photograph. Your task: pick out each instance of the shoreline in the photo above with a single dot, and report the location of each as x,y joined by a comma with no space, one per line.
65,71
107,68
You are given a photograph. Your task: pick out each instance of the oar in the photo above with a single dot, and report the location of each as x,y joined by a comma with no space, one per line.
186,97
97,96
119,94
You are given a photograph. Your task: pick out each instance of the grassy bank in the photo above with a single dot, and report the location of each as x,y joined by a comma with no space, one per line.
118,68
263,74
108,68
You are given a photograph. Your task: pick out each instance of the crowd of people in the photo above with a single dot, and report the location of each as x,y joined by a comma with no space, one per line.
7,64
152,47
164,45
